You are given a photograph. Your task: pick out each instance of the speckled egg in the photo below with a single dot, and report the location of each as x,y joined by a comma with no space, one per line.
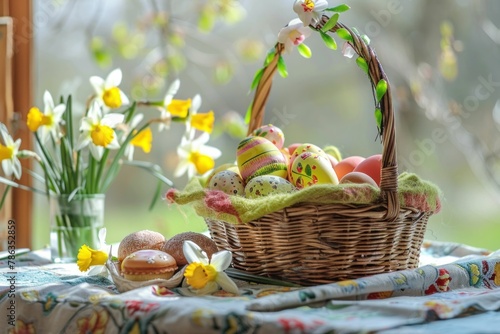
227,181
311,168
268,185
271,133
257,156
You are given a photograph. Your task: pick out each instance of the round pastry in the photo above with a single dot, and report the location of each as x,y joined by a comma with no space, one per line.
173,246
144,239
148,264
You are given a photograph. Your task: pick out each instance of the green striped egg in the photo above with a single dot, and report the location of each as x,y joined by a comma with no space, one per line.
258,156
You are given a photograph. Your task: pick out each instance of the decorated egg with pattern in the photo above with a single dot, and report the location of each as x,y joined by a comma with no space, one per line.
227,181
311,168
271,133
265,185
258,156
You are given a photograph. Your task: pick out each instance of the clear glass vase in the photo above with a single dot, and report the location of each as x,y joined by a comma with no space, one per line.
74,222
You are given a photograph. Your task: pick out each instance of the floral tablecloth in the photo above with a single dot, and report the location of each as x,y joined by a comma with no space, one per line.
456,290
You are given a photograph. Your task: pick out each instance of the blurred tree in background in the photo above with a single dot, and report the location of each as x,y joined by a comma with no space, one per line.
441,57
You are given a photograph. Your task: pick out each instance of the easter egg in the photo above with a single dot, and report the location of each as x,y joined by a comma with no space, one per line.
271,133
293,147
332,159
227,166
227,181
265,185
347,165
371,166
333,151
311,168
257,156
357,177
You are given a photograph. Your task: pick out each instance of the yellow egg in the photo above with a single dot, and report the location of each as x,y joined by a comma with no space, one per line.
310,168
227,181
257,156
268,185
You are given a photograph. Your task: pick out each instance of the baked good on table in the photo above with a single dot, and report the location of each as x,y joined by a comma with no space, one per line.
148,264
144,239
173,246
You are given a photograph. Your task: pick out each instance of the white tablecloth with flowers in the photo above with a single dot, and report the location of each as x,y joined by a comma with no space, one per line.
456,290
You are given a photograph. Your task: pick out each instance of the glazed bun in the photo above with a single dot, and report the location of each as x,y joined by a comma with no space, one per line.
148,264
173,246
144,239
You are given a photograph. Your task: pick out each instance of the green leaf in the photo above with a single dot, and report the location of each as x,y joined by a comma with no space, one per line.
329,41
304,50
344,34
332,21
378,117
308,170
381,89
339,9
282,67
362,64
248,114
256,78
366,39
156,196
269,57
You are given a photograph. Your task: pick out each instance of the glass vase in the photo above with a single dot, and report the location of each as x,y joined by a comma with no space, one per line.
74,222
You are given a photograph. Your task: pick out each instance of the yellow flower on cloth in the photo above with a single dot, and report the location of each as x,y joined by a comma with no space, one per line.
97,131
309,11
205,276
95,323
88,257
107,91
49,121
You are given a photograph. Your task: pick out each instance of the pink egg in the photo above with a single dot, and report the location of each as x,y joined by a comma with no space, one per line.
271,133
371,166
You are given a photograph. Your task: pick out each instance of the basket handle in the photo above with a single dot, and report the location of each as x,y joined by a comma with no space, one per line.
389,176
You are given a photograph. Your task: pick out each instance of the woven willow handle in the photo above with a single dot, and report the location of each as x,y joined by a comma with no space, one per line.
389,177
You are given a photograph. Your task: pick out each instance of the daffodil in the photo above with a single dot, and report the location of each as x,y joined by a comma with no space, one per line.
142,139
9,152
206,275
195,156
49,121
97,131
293,34
88,257
198,121
107,91
165,114
309,11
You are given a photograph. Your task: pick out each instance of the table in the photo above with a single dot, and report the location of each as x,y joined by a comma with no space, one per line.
456,290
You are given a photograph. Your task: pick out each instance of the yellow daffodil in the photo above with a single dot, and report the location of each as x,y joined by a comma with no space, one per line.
293,34
143,139
199,121
309,11
97,131
195,156
9,152
49,121
107,91
179,108
88,257
165,114
206,275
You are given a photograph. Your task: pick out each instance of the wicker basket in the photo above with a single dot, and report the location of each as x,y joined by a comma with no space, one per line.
313,244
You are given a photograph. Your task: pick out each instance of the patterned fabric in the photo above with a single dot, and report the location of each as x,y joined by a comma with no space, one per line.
459,296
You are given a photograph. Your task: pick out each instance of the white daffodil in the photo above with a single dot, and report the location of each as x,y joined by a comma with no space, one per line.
309,11
143,139
195,156
107,91
204,275
49,121
8,154
97,131
165,115
198,121
293,34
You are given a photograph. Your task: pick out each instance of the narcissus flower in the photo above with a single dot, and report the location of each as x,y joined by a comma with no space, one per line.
309,11
143,139
97,131
88,257
199,121
9,152
195,156
293,34
165,114
49,121
207,275
107,91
